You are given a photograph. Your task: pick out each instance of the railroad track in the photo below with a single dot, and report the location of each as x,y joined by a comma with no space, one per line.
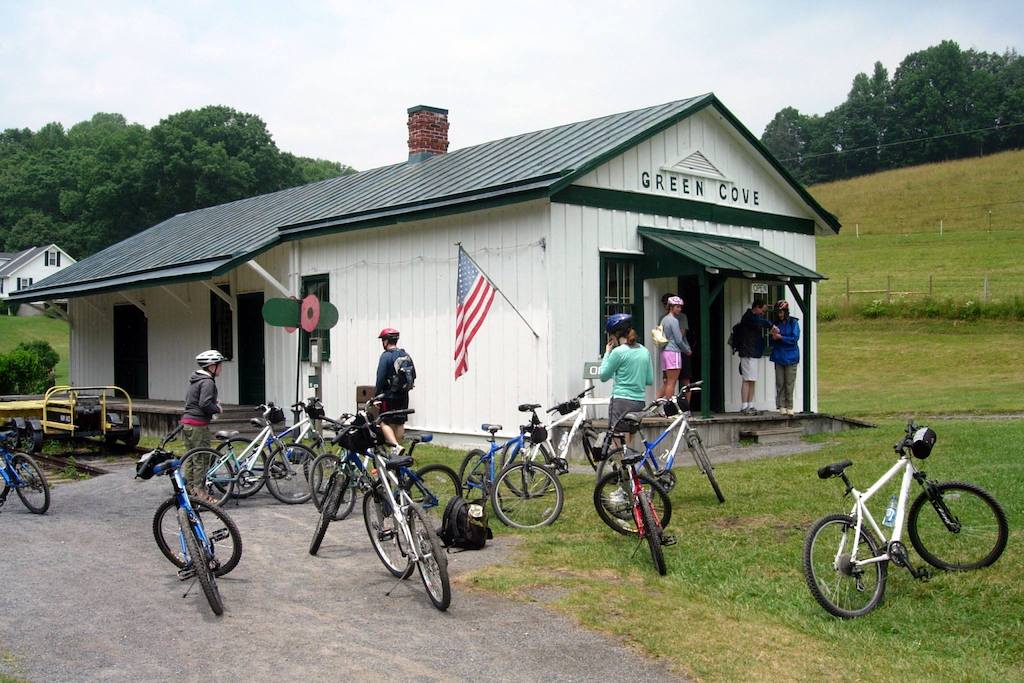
75,463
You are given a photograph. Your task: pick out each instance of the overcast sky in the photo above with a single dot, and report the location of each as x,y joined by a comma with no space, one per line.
333,79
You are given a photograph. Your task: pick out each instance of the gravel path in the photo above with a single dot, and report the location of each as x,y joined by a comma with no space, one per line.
87,596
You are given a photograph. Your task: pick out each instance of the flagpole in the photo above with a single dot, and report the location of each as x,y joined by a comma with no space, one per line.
497,289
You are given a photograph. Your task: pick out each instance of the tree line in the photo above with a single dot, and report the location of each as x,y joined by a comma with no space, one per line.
104,180
941,103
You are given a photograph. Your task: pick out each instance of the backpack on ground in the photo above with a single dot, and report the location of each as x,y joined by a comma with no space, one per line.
464,525
404,376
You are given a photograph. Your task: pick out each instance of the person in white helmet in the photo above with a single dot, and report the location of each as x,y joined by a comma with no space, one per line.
201,405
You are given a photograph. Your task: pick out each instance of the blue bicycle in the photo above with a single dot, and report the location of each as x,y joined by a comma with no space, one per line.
21,473
216,541
658,467
524,494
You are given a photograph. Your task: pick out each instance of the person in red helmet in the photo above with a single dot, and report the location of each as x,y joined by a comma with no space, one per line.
396,375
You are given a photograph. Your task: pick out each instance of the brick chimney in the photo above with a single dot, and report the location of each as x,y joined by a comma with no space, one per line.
428,132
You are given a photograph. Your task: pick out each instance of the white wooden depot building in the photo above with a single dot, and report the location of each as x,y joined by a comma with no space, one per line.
572,223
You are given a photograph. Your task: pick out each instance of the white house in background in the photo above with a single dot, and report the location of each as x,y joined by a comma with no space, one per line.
23,269
573,223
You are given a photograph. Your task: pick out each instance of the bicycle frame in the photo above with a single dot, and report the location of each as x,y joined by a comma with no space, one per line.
182,501
390,482
860,511
14,481
516,442
682,425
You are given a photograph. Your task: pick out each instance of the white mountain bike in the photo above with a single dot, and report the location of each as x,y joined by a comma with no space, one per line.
952,525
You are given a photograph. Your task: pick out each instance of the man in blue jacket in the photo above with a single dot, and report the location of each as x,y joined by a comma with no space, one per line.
785,355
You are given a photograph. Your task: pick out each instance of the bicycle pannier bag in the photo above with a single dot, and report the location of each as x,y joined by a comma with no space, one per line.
464,525
359,437
275,415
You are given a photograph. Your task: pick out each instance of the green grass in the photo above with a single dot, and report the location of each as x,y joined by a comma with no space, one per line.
14,330
734,605
898,213
916,367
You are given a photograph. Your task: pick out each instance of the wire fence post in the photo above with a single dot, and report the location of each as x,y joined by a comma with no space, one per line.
857,228
984,290
847,292
940,227
888,288
930,276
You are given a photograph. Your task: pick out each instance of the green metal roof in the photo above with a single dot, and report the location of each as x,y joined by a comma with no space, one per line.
209,241
728,255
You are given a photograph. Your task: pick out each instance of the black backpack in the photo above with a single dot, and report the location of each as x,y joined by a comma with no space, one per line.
404,377
464,525
736,337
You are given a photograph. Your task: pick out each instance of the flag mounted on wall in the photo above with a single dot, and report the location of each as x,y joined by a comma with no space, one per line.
475,293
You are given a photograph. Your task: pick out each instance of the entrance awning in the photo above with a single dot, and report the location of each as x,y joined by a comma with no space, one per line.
729,256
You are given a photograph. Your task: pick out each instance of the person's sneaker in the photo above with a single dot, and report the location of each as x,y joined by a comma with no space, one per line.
397,451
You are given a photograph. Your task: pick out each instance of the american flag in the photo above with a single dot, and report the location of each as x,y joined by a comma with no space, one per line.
475,294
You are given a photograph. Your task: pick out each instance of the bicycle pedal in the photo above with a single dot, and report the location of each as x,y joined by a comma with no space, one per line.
220,535
385,535
668,539
186,573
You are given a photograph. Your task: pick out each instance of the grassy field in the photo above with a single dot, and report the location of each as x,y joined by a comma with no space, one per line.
917,367
898,214
14,330
734,605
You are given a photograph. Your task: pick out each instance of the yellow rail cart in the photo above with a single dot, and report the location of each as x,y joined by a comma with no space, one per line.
68,412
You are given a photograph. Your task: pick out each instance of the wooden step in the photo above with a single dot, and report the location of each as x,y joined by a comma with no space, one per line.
769,435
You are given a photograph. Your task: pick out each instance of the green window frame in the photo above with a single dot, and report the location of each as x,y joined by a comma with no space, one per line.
621,291
222,335
320,285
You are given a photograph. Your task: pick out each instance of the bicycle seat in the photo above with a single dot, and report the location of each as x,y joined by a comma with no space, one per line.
422,438
399,462
527,407
833,470
224,434
491,428
630,457
257,422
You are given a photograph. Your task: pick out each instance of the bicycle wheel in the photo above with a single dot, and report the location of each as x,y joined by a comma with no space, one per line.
221,473
842,589
249,481
652,532
432,561
219,527
527,495
320,476
614,504
436,486
337,484
288,473
973,534
474,474
700,456
200,563
385,534
34,491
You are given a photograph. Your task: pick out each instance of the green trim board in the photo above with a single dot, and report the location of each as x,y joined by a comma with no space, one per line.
730,256
639,202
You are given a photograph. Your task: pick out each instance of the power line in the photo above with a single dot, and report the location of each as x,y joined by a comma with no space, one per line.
903,142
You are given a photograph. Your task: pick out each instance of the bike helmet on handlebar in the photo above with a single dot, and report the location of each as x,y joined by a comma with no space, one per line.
619,322
211,357
922,442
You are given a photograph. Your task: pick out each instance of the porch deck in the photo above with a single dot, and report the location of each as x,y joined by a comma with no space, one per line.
721,429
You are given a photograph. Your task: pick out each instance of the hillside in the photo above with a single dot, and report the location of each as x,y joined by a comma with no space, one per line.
944,229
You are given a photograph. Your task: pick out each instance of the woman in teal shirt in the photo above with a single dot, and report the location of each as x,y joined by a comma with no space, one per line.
629,363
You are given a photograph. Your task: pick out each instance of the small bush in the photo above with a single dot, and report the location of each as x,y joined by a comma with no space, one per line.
875,309
28,369
828,313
